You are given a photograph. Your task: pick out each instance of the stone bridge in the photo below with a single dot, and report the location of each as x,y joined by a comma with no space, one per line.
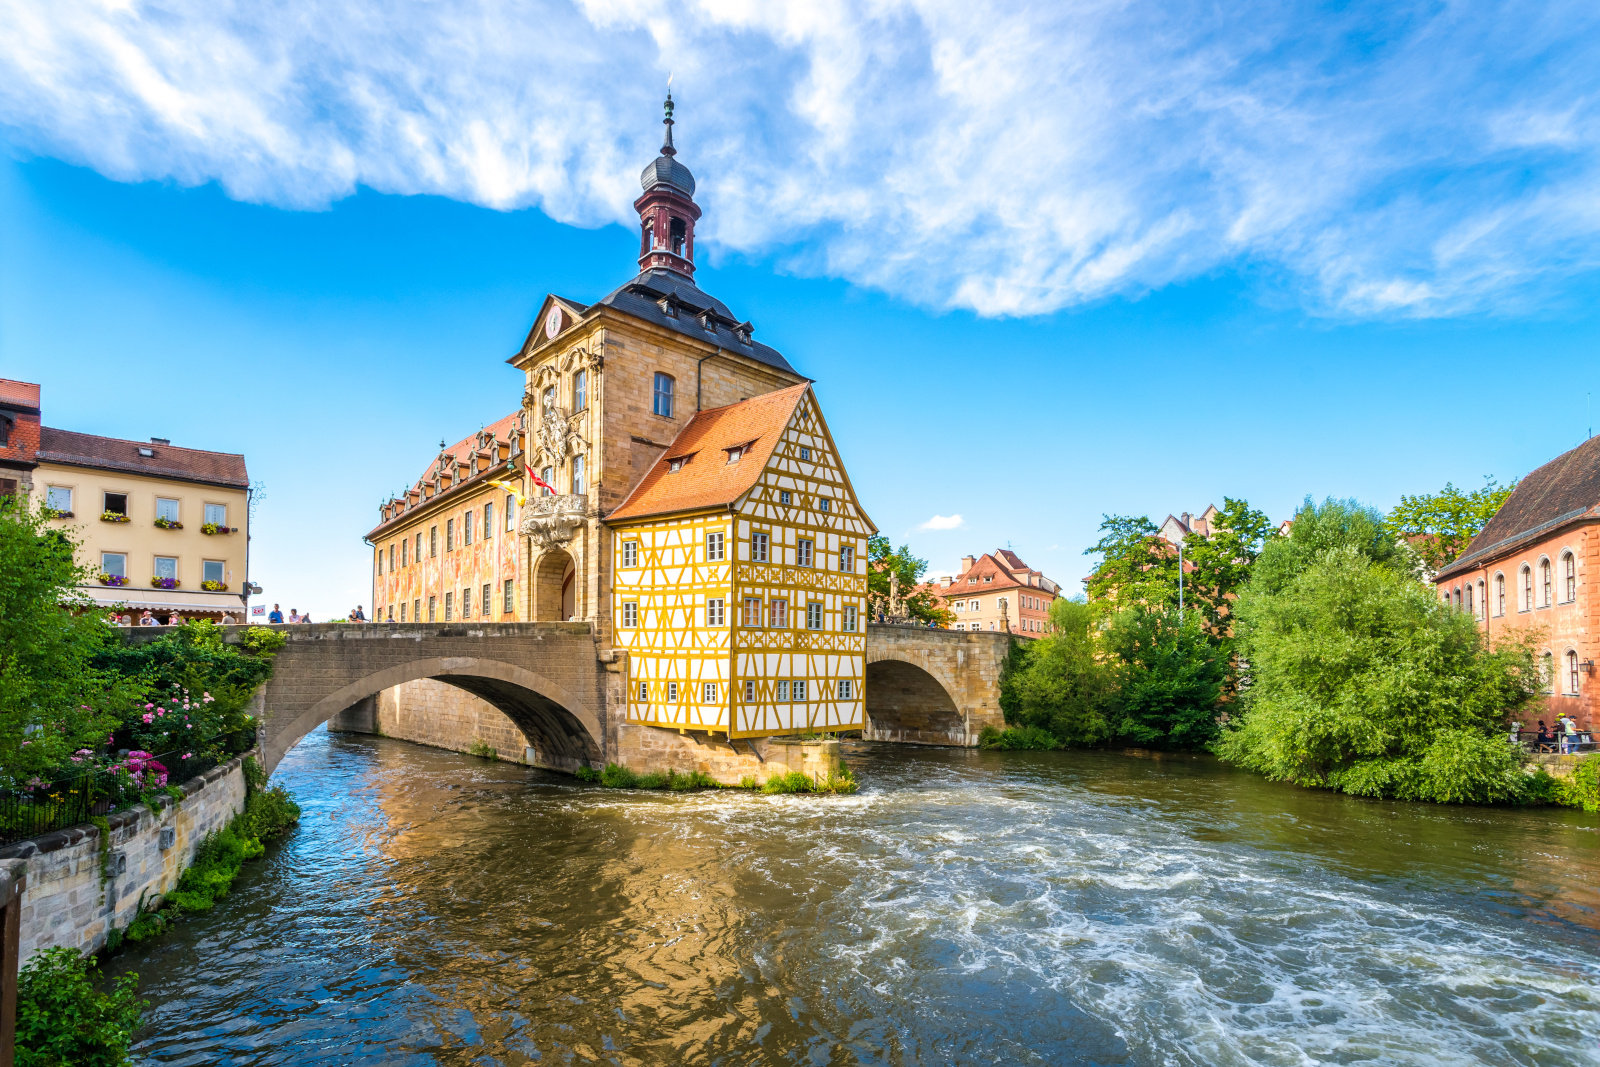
565,693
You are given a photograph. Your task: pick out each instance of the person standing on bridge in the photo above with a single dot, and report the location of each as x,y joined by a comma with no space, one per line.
358,615
294,616
276,615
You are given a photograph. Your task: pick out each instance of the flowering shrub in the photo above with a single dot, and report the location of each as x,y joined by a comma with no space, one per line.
114,579
214,587
215,528
112,516
142,767
168,524
178,720
165,583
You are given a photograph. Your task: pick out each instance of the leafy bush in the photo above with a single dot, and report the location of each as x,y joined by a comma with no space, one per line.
1169,678
66,1019
1060,683
1582,789
1034,738
1362,681
800,782
616,776
482,749
586,773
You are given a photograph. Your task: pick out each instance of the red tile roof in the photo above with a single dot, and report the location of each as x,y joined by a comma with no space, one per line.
166,461
1562,491
20,394
708,479
452,458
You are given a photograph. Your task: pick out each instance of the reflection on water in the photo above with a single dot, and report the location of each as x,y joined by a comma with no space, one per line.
1053,908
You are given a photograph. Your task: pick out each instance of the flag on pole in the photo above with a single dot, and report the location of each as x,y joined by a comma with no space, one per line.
536,480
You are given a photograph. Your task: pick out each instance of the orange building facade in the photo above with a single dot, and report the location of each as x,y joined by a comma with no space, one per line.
997,591
1532,570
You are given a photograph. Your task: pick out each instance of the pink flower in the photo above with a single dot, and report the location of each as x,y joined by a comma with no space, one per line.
188,755
161,711
147,707
147,717
25,744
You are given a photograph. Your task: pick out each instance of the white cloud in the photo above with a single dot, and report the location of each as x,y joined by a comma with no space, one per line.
943,522
1375,159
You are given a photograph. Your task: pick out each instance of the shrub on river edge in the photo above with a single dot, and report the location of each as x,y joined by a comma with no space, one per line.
616,776
66,1018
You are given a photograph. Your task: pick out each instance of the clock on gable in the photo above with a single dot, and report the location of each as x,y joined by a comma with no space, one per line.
552,322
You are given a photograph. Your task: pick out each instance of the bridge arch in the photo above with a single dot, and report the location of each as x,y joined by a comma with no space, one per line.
909,702
557,720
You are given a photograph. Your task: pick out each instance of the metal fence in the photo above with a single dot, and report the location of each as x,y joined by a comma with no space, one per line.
76,799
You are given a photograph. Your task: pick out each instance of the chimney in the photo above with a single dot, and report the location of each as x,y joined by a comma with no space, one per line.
967,562
160,441
1188,520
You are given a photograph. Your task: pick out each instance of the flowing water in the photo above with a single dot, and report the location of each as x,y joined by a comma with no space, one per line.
965,907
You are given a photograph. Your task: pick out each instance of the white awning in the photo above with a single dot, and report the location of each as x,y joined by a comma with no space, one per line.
135,599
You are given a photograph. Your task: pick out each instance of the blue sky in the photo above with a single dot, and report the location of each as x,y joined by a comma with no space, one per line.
1044,262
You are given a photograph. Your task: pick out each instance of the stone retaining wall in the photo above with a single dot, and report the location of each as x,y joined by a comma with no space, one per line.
66,902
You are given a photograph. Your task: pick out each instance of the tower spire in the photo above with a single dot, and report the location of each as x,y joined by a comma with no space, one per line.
666,146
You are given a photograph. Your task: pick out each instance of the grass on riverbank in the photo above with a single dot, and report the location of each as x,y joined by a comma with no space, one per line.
616,776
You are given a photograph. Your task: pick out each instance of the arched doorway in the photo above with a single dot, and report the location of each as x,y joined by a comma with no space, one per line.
907,704
555,587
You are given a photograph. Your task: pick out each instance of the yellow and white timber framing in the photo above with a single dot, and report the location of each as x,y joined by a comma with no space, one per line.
781,622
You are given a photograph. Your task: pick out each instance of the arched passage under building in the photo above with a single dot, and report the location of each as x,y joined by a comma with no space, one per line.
565,731
907,704
555,587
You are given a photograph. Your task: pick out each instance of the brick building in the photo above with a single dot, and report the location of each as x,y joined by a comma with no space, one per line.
1532,568
997,591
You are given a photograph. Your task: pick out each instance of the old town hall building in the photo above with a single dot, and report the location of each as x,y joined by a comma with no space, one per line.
694,509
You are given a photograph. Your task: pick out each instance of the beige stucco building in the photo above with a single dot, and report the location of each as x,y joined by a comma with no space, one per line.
997,591
159,526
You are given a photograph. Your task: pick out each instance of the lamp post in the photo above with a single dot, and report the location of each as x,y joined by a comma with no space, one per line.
1180,581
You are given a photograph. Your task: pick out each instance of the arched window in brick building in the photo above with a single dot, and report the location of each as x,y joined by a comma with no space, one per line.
1572,671
1569,578
1547,671
1545,585
1499,594
1527,589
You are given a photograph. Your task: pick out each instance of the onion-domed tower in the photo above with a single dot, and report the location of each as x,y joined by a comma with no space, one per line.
667,211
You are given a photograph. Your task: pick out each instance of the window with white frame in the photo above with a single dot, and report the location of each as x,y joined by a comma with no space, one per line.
511,513
402,611
580,391
813,615
58,498
213,570
714,547
548,477
486,599
577,475
1569,578
449,535
716,611
805,454
847,558
488,520
1499,594
114,564
802,552
166,509
114,503
433,543
750,611
824,505
1547,671
1527,588
630,614
849,618
758,547
166,567
644,692
1545,583
778,614
846,689
749,690
708,692
784,496
630,553
507,606
783,689
1572,671
663,395
799,689
466,602
216,514
449,603
672,692
433,608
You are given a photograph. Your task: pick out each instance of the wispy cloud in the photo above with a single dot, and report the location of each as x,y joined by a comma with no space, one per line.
943,522
1372,158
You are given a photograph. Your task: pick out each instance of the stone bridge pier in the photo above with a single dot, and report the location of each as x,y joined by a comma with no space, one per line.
933,687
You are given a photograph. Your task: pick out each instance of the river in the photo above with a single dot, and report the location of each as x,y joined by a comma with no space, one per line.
964,907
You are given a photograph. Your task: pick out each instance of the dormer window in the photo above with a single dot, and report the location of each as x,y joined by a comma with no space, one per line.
147,453
988,577
735,453
677,463
669,307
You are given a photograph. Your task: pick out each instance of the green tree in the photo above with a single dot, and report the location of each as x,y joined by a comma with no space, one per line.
1360,680
1060,682
1170,677
1316,529
1441,525
1136,566
883,560
1219,565
53,697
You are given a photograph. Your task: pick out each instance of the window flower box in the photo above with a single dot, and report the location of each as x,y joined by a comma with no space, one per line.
52,513
168,524
213,528
112,516
165,583
114,580
214,587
